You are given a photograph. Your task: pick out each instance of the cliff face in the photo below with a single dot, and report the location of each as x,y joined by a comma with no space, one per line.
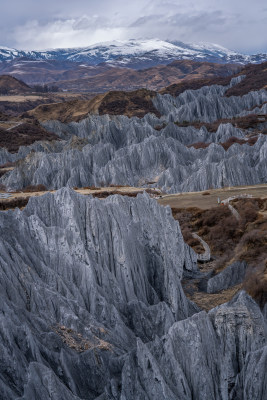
92,307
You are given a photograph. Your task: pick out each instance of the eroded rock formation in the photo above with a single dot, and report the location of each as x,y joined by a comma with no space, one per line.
92,308
133,151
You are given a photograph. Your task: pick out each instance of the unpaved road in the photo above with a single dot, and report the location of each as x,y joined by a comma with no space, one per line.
85,191
205,201
179,200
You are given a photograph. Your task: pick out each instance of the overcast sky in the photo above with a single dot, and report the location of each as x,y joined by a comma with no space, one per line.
38,24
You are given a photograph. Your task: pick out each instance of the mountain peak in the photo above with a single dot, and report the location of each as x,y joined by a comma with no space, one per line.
137,53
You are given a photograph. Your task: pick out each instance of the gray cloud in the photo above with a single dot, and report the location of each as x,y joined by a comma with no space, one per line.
144,21
239,25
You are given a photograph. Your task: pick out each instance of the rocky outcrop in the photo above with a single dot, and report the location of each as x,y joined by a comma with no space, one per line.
92,307
208,104
201,356
134,156
39,146
108,269
133,151
230,276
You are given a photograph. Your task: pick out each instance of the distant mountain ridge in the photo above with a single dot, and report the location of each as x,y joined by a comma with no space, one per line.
136,53
76,77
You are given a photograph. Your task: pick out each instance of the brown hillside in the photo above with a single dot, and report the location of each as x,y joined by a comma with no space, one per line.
194,84
10,85
256,78
77,77
136,103
131,104
24,134
230,240
155,78
67,111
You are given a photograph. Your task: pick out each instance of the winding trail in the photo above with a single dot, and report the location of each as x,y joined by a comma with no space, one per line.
234,212
12,127
204,257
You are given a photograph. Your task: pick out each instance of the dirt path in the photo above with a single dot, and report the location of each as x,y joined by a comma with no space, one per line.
14,126
209,198
204,257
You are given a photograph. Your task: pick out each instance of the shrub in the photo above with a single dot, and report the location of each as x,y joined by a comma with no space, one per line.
92,187
34,188
13,203
199,145
116,186
256,283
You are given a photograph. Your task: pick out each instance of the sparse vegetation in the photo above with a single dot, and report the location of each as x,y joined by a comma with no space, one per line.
232,240
256,78
34,188
77,342
23,135
232,140
256,283
250,121
137,103
8,204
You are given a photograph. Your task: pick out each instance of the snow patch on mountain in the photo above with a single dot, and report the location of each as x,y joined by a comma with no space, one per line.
136,53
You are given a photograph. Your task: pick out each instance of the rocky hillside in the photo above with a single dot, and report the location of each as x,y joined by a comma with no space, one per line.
93,307
170,145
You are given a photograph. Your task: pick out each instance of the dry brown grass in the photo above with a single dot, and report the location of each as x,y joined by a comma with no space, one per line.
23,135
7,204
137,103
232,240
77,342
256,78
226,145
131,193
33,188
19,98
208,301
256,282
185,220
197,200
246,122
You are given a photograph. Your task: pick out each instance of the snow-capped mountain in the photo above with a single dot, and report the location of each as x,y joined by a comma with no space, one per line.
137,53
